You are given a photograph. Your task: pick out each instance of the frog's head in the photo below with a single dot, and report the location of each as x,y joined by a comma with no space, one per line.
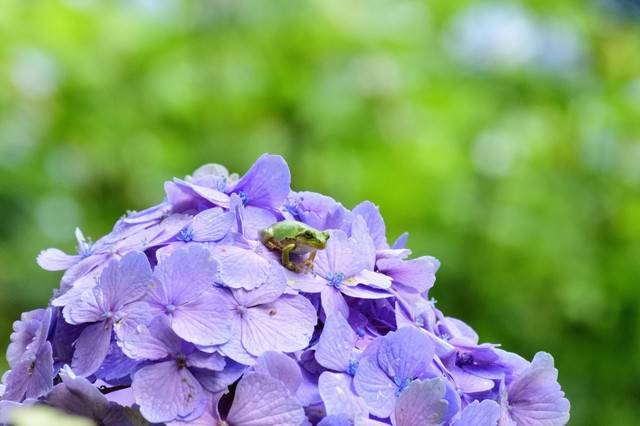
313,238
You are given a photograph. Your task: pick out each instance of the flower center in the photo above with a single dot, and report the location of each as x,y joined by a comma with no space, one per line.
402,384
186,235
181,361
241,310
463,358
170,308
292,206
244,197
360,331
335,280
353,367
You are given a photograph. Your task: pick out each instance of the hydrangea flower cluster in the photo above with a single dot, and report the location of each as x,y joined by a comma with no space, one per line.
182,316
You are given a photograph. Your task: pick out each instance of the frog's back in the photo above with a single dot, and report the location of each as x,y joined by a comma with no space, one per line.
286,229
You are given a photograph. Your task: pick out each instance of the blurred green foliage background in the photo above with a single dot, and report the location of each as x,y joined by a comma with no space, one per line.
505,137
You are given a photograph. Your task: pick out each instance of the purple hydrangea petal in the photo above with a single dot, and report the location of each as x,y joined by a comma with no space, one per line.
78,396
336,344
421,404
209,417
336,420
31,377
374,386
150,343
372,279
183,195
284,325
364,292
333,302
406,353
130,316
25,331
256,219
339,398
320,211
418,273
363,245
53,259
268,292
337,257
183,276
116,367
89,307
218,381
211,225
280,367
207,361
307,283
243,268
458,330
267,183
372,217
470,383
401,241
165,391
91,348
535,397
126,280
234,348
206,320
485,413
263,400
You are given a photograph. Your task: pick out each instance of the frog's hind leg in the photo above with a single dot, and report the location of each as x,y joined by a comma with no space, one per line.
286,259
308,262
270,245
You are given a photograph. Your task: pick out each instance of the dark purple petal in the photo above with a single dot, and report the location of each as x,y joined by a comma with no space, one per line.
91,348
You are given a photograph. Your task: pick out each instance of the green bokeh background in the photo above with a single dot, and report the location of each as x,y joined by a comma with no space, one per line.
523,180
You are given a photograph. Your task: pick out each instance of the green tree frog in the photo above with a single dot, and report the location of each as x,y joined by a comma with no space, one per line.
291,237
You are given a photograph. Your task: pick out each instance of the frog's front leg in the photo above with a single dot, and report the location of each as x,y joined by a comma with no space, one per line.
308,262
286,260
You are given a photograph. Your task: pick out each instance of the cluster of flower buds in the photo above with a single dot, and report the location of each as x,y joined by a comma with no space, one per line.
189,313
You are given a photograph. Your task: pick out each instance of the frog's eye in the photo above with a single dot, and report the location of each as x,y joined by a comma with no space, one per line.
308,235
